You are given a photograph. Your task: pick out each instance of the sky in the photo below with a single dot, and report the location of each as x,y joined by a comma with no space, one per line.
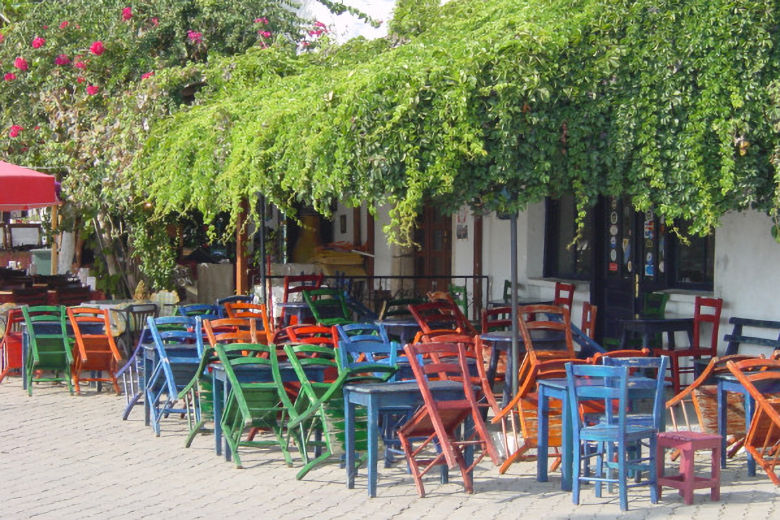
347,26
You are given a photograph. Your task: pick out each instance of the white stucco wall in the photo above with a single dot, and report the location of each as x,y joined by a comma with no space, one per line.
746,266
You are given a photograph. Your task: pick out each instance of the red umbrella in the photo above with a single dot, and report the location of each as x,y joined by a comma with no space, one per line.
22,188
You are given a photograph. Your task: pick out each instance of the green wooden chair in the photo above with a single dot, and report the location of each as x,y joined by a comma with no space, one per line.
317,416
254,401
328,306
49,348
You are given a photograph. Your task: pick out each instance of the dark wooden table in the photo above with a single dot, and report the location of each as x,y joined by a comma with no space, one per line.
647,328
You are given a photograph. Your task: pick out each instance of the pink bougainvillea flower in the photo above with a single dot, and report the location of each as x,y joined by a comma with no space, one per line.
79,80
97,48
155,21
127,13
147,74
315,32
319,24
14,131
21,64
61,59
38,42
9,76
262,20
264,34
45,27
64,24
2,38
80,65
195,37
36,128
92,89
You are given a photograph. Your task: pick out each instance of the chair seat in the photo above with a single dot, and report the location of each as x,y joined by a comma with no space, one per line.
604,431
685,436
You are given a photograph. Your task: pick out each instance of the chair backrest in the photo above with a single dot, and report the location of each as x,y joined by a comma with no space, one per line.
230,330
311,335
564,294
441,315
546,331
328,306
398,307
608,384
365,347
204,310
588,321
654,305
298,283
497,318
220,302
707,310
257,312
176,330
641,366
47,331
598,357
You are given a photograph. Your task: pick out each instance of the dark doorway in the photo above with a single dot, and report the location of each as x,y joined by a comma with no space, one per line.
434,257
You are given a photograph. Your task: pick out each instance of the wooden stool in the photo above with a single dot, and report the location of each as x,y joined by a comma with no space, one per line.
686,481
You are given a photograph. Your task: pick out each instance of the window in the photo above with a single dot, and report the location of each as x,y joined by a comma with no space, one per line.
564,257
693,264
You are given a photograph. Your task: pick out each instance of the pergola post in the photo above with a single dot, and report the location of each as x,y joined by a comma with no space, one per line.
242,278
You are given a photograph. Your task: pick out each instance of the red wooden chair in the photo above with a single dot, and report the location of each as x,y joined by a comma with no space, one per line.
438,421
441,317
257,313
588,321
564,294
707,310
93,352
763,438
11,346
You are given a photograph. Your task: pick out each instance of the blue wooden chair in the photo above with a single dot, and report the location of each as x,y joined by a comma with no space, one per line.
654,367
609,440
178,347
366,347
204,310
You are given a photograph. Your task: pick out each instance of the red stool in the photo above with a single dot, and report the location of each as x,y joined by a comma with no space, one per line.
686,481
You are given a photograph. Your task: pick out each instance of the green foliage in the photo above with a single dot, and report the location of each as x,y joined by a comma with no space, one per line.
496,104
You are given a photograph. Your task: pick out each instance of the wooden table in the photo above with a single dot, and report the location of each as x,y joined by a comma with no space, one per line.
521,301
378,396
403,327
649,327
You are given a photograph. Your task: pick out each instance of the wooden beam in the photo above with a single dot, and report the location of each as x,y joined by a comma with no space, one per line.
477,264
242,271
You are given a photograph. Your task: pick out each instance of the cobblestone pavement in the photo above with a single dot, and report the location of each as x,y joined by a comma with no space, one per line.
68,456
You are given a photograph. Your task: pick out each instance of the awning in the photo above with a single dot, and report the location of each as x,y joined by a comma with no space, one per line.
22,188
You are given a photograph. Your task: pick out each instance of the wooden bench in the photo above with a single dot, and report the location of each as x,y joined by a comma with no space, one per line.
738,338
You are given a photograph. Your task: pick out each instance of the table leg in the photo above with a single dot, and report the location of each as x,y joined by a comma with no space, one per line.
218,396
373,442
749,404
349,441
148,367
225,392
722,423
542,411
567,447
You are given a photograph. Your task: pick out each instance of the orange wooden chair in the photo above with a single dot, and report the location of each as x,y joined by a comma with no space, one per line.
707,310
258,313
93,352
438,421
232,330
441,317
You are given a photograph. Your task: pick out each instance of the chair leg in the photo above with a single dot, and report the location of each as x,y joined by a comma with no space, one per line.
715,489
622,476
